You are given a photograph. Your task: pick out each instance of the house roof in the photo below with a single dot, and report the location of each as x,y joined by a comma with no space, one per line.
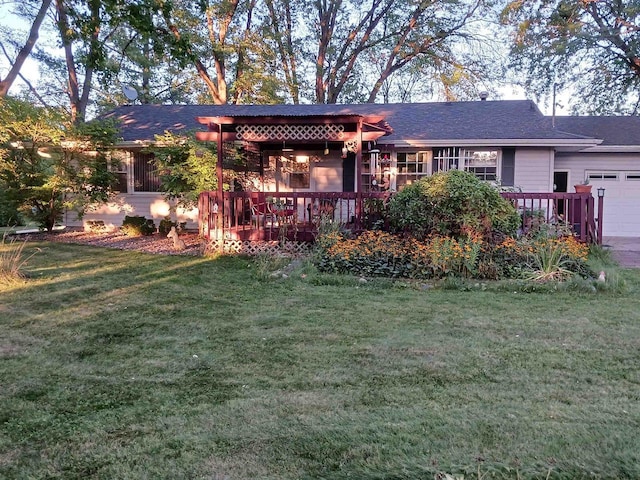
502,122
612,130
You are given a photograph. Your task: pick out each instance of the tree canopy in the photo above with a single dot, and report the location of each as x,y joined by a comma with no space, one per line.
589,46
49,165
250,51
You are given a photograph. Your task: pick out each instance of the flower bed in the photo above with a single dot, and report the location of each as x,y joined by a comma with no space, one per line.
376,253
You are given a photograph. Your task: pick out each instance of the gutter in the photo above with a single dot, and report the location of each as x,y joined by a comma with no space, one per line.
582,143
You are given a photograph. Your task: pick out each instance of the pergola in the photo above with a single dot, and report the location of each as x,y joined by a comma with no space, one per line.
334,131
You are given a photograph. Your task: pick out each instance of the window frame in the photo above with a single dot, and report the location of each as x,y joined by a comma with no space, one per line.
134,172
456,158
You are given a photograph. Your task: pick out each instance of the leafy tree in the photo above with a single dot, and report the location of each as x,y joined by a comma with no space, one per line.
395,34
591,46
186,167
49,165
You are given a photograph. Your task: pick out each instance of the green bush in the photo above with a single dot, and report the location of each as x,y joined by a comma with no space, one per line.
135,226
453,203
9,214
165,225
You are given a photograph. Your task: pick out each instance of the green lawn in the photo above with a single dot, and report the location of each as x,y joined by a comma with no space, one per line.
121,365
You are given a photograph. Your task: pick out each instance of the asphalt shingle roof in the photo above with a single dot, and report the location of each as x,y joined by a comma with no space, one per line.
613,130
500,120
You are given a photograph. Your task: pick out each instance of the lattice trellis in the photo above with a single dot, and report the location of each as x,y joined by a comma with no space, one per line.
239,247
258,133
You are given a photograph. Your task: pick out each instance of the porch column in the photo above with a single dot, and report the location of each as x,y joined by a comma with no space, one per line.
359,173
220,200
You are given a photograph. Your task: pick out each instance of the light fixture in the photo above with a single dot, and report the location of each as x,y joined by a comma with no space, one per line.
285,148
344,151
326,148
601,192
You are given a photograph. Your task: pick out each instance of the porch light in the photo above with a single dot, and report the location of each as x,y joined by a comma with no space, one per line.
285,148
326,148
600,192
344,151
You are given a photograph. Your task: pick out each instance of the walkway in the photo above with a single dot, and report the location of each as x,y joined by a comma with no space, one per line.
625,250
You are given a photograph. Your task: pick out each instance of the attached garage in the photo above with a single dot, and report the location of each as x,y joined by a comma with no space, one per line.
614,165
621,202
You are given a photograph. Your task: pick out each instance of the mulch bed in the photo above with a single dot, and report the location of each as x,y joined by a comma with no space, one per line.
156,243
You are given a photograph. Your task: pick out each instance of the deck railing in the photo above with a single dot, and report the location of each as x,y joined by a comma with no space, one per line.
570,212
297,216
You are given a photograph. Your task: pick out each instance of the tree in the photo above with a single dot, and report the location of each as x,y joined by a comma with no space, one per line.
347,35
25,50
49,165
592,46
186,167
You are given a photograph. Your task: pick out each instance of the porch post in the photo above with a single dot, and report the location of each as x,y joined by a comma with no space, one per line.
600,212
220,199
359,174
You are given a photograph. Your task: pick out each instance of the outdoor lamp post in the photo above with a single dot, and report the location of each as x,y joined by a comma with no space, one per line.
600,210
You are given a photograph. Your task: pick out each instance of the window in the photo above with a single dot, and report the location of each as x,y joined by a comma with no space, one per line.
376,171
599,176
145,175
632,176
482,163
296,170
445,159
117,164
411,167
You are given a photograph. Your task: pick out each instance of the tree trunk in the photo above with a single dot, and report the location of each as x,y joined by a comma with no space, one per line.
24,52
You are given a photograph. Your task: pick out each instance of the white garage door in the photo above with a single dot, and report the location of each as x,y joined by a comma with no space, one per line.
621,201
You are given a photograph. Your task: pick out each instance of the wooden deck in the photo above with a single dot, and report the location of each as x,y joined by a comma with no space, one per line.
256,216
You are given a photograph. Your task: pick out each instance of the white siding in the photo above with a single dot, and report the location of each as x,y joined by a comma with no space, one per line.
149,205
579,163
534,169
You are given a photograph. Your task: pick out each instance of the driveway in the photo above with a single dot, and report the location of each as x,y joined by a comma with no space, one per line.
625,250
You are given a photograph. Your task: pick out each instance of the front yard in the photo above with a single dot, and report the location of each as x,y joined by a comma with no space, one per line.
123,365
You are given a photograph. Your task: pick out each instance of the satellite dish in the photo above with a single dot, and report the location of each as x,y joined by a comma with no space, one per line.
129,92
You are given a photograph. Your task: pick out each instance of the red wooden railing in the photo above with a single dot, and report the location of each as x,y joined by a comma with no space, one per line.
574,212
297,216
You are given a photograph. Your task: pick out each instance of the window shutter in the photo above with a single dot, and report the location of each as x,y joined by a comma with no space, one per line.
507,177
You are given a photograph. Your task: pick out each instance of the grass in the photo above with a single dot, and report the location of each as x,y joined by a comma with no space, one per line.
121,365
12,260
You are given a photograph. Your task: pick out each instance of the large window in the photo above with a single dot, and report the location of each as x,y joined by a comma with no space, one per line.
145,175
483,163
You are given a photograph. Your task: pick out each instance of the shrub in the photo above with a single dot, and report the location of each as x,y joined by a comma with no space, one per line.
135,226
9,214
453,203
166,224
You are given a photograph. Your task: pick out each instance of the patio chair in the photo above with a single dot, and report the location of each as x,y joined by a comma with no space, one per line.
261,215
